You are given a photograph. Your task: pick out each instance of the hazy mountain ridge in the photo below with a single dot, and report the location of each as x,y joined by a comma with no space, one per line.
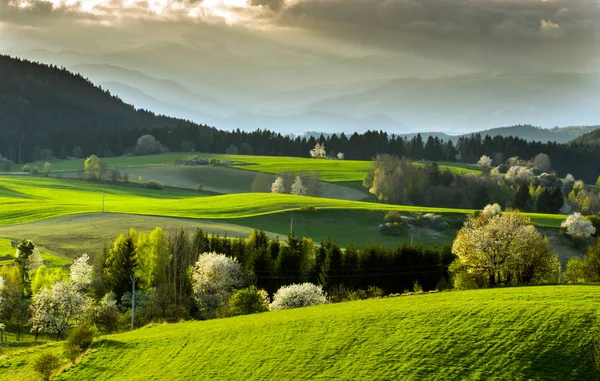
38,97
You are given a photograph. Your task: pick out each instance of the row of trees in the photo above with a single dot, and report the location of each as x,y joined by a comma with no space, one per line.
516,184
581,161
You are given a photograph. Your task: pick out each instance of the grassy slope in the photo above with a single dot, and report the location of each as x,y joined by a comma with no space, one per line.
26,199
329,170
51,259
515,333
220,179
88,233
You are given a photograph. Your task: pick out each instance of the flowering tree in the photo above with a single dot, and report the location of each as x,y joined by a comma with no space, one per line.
501,249
148,145
298,295
319,151
214,278
81,273
298,188
57,309
519,174
485,162
492,209
341,156
577,226
278,186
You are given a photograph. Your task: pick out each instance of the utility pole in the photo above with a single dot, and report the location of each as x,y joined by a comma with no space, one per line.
133,280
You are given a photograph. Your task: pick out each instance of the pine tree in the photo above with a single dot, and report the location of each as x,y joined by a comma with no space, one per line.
522,198
120,264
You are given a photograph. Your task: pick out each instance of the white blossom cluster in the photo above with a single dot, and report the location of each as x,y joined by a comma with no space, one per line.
492,209
577,226
485,162
318,152
81,272
277,186
58,308
298,295
519,174
214,278
298,188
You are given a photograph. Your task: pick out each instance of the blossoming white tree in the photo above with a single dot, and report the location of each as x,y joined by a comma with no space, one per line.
341,156
485,162
298,295
519,174
214,278
277,186
298,188
577,226
57,309
319,151
492,209
81,273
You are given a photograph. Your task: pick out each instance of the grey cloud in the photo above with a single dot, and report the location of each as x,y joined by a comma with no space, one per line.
274,5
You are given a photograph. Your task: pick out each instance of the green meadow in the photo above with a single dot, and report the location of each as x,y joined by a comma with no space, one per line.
541,333
329,170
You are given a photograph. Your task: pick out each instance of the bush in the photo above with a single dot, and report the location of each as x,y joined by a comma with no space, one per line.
5,164
297,296
393,228
359,294
392,217
26,168
249,301
375,292
595,221
153,184
432,221
45,364
308,209
199,187
80,338
214,161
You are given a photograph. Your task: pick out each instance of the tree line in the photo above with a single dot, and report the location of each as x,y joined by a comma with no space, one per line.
567,158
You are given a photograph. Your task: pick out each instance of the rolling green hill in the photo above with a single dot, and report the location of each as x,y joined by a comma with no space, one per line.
329,170
541,333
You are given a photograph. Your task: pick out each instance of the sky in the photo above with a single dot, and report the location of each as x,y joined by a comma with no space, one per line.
293,60
461,34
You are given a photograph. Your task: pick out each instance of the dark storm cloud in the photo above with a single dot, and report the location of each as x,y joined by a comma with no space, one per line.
553,34
489,20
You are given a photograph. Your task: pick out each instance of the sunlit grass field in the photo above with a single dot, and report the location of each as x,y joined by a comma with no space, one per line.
329,170
529,333
29,198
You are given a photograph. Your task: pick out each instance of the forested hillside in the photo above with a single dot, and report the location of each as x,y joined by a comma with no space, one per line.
38,99
589,141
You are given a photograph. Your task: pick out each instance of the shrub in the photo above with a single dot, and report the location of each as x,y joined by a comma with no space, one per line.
214,161
153,184
308,209
432,221
26,168
80,339
249,301
392,217
595,221
417,288
199,187
375,292
393,228
359,294
5,164
574,272
45,364
298,295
